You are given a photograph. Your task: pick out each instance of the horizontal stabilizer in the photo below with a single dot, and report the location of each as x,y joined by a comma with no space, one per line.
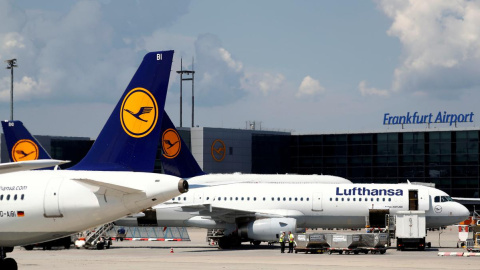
107,186
29,165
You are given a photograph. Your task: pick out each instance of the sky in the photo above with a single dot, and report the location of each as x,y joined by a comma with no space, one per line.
305,66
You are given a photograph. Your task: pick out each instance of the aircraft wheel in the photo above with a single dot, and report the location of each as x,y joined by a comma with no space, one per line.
224,243
9,264
257,243
29,247
100,245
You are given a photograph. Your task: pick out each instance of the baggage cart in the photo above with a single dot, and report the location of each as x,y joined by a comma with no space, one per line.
313,243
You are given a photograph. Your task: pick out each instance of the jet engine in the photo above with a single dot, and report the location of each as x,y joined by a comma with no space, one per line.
268,229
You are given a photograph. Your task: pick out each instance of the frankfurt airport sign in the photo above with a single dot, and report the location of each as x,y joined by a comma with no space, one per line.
416,118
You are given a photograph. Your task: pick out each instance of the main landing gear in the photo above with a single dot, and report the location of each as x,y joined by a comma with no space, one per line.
228,242
7,263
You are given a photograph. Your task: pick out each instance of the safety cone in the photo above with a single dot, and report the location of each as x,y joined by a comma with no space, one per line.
171,250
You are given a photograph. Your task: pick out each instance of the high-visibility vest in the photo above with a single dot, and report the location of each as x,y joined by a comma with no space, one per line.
291,238
281,238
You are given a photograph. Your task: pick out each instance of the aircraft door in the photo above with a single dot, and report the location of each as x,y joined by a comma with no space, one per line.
423,200
51,204
317,201
413,200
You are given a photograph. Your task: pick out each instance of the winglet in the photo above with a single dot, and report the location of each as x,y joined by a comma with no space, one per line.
129,139
177,160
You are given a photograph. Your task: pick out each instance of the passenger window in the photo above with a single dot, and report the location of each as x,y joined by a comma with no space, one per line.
254,198
284,199
359,199
343,199
371,199
330,199
273,199
219,198
348,199
308,199
301,199
208,198
184,198
295,198
8,197
389,199
383,199
378,199
1,197
236,198
354,199
278,198
224,198
15,197
290,199
336,199
242,198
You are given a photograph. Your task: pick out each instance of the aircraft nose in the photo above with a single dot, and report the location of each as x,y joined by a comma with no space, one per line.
462,211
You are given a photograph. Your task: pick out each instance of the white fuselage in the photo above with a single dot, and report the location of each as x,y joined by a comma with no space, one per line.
312,205
37,206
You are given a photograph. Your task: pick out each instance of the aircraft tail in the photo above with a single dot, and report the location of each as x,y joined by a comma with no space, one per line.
21,145
177,160
129,139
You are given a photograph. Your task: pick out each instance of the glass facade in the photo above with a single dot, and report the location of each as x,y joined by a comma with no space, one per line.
450,159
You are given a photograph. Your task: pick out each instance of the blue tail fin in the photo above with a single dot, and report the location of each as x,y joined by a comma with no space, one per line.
177,160
21,144
129,139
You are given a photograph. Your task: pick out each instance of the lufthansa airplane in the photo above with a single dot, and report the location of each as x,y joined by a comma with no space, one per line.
109,183
258,207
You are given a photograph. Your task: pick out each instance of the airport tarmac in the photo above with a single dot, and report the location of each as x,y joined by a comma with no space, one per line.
197,254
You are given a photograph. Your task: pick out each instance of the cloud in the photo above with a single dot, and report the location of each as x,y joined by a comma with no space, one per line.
218,74
441,46
365,91
309,87
266,82
81,52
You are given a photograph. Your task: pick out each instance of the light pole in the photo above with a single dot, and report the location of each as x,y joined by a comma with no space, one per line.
191,73
12,63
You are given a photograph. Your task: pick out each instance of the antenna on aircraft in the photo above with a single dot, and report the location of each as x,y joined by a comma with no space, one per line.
12,63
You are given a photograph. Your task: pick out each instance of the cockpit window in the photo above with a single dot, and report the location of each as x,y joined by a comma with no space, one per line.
443,199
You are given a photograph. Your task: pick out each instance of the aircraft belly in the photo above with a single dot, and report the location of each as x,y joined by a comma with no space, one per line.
9,239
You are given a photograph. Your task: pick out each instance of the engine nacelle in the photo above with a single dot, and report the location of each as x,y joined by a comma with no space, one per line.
268,229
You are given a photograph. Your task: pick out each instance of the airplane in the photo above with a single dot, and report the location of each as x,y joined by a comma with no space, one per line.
255,208
110,182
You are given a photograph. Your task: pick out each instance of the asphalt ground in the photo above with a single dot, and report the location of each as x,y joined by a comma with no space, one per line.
197,254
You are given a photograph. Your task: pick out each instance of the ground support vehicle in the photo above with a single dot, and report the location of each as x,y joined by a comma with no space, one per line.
358,243
410,230
313,243
64,242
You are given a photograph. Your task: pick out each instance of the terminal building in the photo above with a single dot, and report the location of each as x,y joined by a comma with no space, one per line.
447,158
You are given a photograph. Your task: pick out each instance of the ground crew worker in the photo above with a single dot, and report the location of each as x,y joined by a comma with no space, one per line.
290,242
282,242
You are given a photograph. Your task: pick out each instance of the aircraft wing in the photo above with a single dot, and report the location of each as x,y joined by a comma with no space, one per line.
29,165
230,214
466,200
102,186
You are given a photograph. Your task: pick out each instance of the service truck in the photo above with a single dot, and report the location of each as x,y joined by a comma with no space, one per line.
410,230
